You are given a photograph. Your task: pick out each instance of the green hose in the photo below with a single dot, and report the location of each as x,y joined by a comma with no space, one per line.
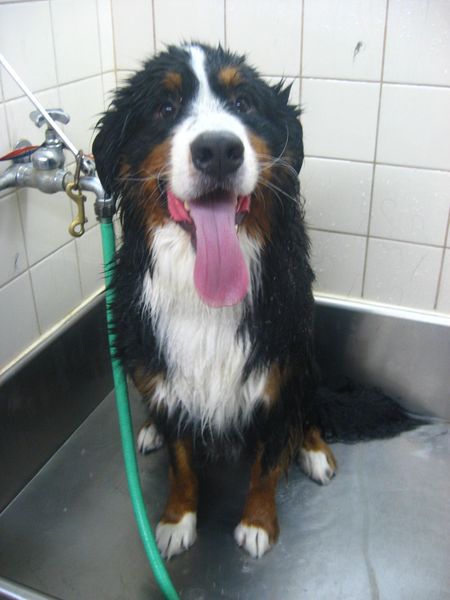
126,429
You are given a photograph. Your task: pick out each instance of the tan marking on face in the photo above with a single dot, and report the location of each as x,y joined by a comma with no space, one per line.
172,81
154,166
312,441
263,154
183,494
257,222
230,76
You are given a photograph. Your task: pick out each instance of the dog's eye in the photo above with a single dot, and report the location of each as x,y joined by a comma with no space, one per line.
242,104
167,110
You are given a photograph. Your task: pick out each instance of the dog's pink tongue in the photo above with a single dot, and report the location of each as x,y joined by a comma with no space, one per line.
220,273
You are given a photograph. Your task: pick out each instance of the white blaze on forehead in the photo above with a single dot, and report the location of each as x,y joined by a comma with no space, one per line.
205,96
207,112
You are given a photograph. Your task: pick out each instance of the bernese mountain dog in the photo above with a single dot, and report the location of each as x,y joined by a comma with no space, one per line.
214,306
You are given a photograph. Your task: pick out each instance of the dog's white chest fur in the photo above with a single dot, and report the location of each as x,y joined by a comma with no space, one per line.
204,355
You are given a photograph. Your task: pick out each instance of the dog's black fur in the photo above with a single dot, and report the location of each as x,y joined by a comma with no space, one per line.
278,320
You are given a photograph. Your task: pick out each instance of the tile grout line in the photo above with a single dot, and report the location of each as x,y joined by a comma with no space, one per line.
41,260
115,69
441,267
77,256
154,26
13,2
36,314
225,40
100,50
377,237
375,81
52,25
369,162
60,85
2,91
302,29
375,151
19,205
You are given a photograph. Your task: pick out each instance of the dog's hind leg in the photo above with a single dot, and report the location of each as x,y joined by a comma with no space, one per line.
316,458
176,530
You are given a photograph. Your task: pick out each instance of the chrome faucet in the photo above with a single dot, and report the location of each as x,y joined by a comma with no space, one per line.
45,170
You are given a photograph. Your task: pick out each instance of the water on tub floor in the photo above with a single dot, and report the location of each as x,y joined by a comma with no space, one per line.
380,530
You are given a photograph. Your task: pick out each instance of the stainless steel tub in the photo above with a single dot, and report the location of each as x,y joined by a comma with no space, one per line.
380,530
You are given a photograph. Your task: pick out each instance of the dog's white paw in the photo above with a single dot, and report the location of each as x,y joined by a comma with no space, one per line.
317,465
149,439
254,540
175,538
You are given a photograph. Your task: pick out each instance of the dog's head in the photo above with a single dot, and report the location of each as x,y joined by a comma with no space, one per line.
197,137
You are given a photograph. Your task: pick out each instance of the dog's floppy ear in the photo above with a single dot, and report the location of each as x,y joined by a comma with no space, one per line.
107,149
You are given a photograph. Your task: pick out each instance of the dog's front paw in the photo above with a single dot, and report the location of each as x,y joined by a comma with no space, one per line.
318,465
149,439
175,538
255,540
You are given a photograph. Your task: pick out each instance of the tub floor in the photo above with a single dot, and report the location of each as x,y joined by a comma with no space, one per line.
380,530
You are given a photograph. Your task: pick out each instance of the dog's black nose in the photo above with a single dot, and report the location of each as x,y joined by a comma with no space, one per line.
217,153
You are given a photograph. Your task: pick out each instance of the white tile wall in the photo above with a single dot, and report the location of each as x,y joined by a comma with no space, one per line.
89,250
12,246
372,76
31,53
338,262
18,114
83,115
133,32
106,37
19,323
179,21
418,42
401,273
415,126
45,221
4,137
443,303
71,18
410,205
340,118
56,285
343,40
268,32
337,194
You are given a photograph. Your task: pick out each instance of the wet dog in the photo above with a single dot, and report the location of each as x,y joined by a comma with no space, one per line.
214,306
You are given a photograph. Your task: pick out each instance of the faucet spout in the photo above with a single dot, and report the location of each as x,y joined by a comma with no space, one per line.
90,183
8,179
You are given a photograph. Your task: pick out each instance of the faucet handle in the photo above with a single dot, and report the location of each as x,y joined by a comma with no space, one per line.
57,114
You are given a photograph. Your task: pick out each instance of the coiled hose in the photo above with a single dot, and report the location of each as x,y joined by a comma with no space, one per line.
126,428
